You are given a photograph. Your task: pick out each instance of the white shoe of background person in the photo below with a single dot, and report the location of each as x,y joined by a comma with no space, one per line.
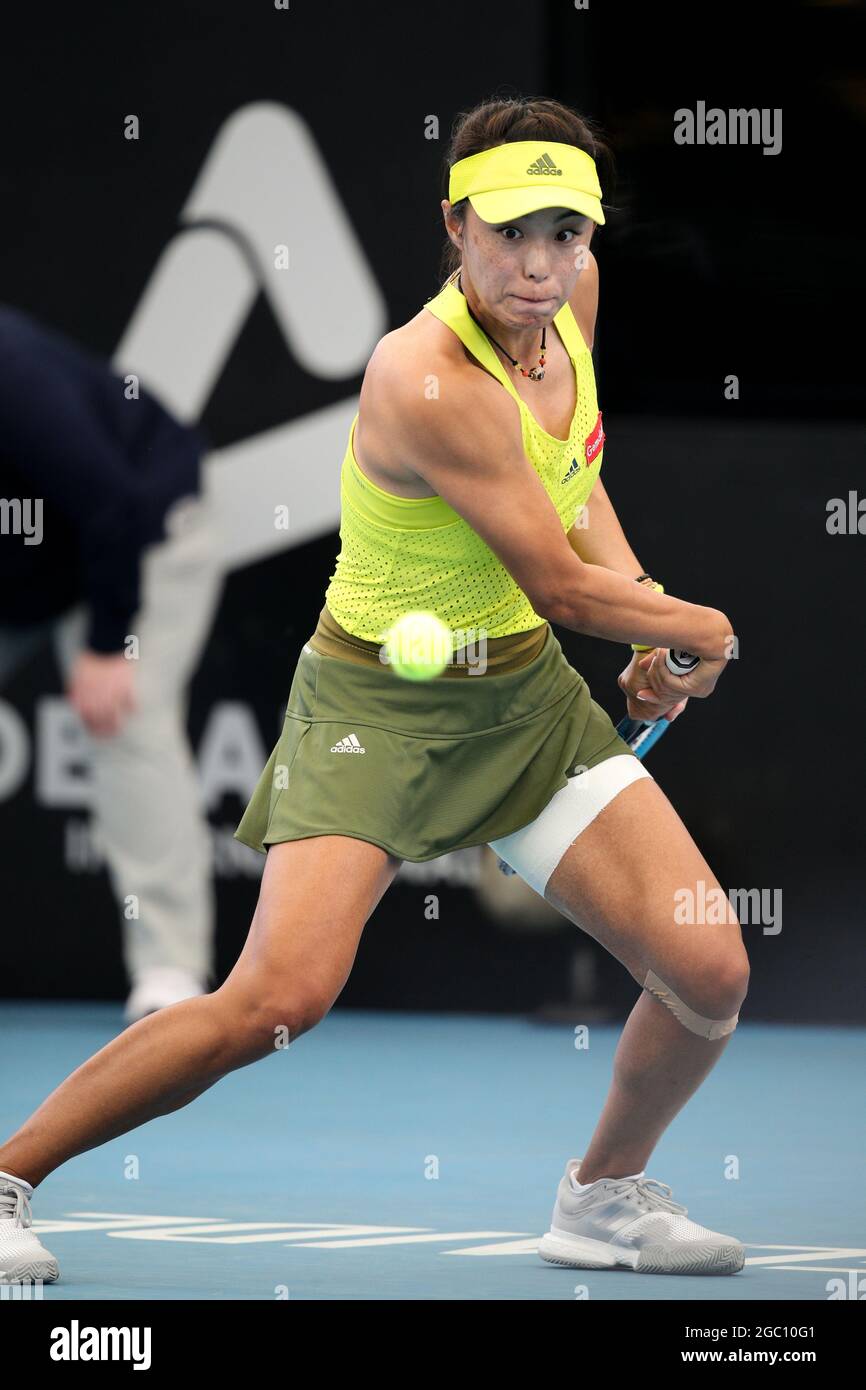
630,1223
23,1257
157,988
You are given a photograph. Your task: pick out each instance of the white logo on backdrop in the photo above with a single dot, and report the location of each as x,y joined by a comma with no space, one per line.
263,186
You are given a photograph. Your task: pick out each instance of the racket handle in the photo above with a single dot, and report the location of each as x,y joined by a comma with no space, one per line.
680,662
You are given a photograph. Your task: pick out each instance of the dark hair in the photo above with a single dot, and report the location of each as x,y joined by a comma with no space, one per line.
500,121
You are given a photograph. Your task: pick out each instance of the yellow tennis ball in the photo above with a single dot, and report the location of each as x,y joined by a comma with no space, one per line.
418,646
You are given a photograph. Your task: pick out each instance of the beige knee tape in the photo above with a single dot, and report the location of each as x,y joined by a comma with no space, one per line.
704,1027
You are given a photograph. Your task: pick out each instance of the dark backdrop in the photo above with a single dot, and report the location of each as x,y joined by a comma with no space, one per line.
714,261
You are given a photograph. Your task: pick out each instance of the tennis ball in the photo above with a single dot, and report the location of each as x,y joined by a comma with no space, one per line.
418,646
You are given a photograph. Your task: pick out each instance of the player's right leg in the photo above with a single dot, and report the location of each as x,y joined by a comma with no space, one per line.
315,897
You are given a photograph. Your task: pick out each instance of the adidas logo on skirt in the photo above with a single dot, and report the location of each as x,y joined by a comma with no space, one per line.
349,744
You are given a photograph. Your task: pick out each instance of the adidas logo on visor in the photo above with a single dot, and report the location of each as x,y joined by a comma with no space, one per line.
349,744
543,165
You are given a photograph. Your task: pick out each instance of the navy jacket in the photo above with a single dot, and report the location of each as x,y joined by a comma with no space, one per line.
106,468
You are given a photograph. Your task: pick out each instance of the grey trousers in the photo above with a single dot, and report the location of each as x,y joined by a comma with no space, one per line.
148,815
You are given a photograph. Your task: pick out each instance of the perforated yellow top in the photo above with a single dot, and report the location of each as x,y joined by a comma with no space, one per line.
401,553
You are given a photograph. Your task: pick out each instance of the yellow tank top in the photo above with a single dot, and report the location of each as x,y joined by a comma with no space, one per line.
398,554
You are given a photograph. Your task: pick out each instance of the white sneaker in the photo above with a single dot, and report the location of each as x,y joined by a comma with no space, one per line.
22,1255
157,988
630,1223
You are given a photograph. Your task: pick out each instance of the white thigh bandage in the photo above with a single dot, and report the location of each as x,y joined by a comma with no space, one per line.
705,1027
535,850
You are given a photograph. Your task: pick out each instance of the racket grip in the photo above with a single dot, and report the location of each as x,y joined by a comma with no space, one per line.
680,662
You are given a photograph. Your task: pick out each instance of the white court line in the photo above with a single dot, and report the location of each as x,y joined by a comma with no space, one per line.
253,1234
762,1244
102,1220
830,1253
341,1236
789,1262
511,1247
406,1240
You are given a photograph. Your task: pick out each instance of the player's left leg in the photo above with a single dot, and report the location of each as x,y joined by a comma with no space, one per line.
628,879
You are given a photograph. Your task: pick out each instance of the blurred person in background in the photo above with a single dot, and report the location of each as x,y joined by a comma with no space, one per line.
108,545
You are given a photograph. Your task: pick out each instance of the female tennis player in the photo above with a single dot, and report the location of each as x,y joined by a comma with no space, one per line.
475,452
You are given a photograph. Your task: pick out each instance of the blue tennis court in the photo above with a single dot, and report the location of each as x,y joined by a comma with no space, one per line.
397,1156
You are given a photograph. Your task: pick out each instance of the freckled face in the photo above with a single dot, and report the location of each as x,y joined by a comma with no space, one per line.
524,271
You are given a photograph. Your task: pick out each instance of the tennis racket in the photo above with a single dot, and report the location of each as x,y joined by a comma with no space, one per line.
642,734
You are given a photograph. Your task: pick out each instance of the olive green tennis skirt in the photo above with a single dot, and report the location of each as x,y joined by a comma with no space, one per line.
422,768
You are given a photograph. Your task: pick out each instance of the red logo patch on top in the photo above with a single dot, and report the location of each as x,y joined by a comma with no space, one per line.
594,441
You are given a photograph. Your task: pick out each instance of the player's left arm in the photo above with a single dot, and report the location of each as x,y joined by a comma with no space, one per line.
600,539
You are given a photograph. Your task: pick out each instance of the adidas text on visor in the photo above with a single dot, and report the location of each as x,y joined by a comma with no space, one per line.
511,180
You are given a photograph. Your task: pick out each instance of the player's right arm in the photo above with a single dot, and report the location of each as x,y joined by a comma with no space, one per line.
466,444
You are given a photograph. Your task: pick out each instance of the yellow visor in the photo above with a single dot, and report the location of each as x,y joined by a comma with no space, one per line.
511,180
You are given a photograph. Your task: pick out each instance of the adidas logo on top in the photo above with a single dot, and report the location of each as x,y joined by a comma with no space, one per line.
349,744
572,470
543,165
